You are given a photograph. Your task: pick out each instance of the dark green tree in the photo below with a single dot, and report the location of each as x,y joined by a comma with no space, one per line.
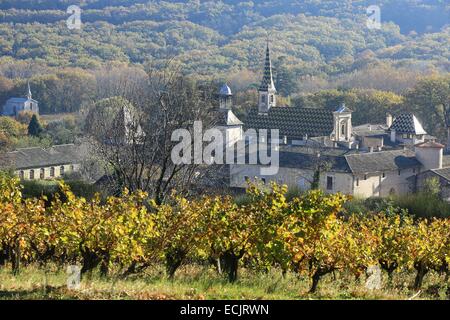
34,127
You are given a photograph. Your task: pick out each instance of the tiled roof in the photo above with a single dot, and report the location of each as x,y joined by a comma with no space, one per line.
430,144
293,122
444,173
309,161
382,161
407,123
225,117
368,129
267,81
28,158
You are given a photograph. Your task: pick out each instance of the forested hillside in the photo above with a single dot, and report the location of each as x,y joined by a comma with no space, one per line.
316,45
309,37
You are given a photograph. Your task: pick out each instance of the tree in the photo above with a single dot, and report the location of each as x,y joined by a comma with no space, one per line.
34,127
313,235
430,100
132,133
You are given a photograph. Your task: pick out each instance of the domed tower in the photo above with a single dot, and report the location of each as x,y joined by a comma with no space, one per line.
226,120
225,97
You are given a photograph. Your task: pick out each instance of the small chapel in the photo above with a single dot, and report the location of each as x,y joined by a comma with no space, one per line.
14,106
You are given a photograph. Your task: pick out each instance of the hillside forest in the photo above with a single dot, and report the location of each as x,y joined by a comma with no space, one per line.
323,54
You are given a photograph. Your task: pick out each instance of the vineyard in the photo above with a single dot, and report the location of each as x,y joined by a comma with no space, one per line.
310,235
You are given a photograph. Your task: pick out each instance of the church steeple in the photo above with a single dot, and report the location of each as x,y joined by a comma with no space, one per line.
267,90
267,81
29,96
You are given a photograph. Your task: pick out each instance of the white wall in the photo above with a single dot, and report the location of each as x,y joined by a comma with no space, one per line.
375,185
292,177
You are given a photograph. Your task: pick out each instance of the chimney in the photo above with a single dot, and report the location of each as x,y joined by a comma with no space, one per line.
389,120
430,154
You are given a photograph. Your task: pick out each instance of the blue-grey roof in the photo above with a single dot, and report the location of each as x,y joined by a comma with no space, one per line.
382,161
346,161
29,158
19,100
407,123
343,109
225,90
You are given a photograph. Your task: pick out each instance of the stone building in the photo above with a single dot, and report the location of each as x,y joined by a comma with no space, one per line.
395,157
14,106
43,163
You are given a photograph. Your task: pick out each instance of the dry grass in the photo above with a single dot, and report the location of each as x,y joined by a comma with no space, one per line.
199,283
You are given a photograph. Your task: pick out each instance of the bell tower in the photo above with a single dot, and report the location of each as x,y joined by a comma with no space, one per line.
267,91
225,98
29,95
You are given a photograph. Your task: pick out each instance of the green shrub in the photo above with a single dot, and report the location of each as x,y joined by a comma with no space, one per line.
423,205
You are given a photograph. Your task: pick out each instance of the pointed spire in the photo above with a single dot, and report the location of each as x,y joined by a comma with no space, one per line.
29,96
267,81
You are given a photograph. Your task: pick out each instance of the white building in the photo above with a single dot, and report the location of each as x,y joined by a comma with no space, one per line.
14,106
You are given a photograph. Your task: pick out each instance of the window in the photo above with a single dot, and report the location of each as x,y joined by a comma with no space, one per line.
42,174
263,180
414,170
263,98
52,172
357,182
343,130
271,99
399,172
365,177
61,170
329,183
384,175
21,175
246,179
72,167
31,174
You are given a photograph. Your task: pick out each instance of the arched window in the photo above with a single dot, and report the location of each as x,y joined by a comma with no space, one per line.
42,174
52,172
31,174
343,130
